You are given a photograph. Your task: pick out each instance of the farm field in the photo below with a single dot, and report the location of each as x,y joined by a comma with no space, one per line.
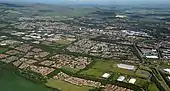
64,86
9,81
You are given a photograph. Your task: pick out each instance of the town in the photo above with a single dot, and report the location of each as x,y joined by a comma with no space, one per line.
104,50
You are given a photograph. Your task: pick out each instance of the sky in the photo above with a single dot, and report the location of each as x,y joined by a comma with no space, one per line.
97,1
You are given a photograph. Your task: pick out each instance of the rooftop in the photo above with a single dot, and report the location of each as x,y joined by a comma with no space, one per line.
106,75
167,70
121,78
132,80
125,66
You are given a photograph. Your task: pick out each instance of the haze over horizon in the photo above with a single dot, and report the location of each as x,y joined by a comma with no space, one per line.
117,2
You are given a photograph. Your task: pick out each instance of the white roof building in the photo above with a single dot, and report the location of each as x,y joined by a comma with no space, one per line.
152,57
132,80
3,44
125,66
106,75
169,77
120,16
167,70
121,78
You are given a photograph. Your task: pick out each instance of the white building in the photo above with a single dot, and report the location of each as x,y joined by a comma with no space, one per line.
167,70
121,78
106,75
152,57
132,80
120,16
125,66
169,77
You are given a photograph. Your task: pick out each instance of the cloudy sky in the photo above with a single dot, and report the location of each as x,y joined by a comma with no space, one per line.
98,1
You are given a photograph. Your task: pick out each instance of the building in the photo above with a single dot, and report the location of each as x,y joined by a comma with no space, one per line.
120,16
125,66
132,80
150,54
106,75
152,57
167,70
169,77
121,78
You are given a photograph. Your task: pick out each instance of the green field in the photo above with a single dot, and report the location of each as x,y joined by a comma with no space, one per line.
153,87
64,86
72,70
141,82
101,67
142,73
9,81
2,50
63,42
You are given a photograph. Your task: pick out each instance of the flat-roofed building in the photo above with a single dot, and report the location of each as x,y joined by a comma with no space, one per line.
132,80
167,70
125,66
106,75
169,77
121,78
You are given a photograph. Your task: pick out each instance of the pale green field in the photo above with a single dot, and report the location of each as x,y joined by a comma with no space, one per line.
64,86
153,87
64,42
101,67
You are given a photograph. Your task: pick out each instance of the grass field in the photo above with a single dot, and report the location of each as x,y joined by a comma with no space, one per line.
3,49
72,70
101,67
64,86
9,81
142,73
153,87
141,82
123,71
63,42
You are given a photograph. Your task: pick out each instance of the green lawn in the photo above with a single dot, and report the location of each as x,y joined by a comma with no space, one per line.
93,72
72,70
101,67
153,87
64,86
141,82
123,71
9,81
142,73
63,42
2,50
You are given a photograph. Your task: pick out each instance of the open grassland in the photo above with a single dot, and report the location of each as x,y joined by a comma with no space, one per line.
2,50
63,42
101,67
153,87
64,86
142,73
141,82
9,81
72,70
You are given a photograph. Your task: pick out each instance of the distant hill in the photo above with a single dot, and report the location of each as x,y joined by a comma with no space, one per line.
11,5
